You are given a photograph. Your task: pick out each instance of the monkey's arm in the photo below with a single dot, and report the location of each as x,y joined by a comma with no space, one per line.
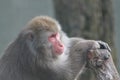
82,51
79,52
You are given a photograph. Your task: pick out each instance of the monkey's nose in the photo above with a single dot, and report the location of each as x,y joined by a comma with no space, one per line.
60,44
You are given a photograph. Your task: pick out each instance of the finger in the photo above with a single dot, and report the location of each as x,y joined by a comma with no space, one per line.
104,45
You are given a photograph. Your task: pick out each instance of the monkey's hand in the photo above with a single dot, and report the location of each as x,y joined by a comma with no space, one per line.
96,58
98,55
100,61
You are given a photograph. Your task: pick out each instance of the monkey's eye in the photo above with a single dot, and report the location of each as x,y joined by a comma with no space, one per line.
52,38
53,35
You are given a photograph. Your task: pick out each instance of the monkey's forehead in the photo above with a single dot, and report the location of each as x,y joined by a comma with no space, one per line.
44,22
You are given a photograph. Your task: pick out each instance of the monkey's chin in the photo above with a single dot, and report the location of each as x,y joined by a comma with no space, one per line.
58,51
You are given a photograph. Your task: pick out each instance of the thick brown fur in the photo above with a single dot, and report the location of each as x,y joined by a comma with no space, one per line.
43,23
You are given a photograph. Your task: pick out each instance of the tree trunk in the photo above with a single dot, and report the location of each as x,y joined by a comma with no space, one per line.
91,19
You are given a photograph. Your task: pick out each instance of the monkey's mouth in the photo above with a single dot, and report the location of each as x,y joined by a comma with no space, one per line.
58,50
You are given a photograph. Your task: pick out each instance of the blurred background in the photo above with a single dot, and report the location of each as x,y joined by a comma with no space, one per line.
90,19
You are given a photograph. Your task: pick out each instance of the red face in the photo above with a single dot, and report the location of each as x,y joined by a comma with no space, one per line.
58,47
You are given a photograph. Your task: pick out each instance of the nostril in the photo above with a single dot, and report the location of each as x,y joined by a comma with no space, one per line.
60,45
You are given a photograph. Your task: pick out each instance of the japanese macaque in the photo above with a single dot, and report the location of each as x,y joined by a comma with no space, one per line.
43,52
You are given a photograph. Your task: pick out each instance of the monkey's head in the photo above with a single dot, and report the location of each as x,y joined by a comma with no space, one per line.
43,36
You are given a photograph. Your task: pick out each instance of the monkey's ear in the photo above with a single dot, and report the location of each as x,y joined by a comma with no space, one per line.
29,35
